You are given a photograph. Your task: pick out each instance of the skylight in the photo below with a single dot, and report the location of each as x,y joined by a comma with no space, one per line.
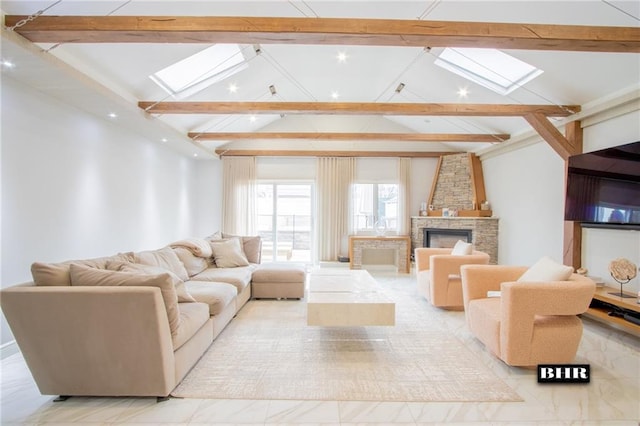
198,71
490,68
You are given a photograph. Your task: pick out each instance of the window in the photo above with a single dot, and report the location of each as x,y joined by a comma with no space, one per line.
198,71
285,221
490,68
375,207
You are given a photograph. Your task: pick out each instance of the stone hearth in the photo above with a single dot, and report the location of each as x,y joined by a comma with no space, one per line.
484,231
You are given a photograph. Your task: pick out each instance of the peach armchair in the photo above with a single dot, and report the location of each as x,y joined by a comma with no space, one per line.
529,323
438,274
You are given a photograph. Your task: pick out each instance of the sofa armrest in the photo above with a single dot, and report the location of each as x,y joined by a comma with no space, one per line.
477,280
570,297
105,341
423,254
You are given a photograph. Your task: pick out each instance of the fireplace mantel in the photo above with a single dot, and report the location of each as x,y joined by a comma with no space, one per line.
484,231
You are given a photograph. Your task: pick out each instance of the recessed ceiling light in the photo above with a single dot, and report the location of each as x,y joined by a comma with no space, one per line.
165,140
7,64
113,115
335,95
233,88
463,92
195,155
253,118
342,57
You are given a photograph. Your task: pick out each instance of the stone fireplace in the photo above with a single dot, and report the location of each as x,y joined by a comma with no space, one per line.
445,238
483,231
458,186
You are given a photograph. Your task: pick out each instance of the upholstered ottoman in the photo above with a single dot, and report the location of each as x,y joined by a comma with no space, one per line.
278,281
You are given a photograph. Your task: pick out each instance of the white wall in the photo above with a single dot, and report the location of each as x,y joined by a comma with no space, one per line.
526,190
208,189
78,186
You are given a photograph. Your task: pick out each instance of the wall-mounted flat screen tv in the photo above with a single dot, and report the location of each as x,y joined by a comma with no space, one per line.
603,187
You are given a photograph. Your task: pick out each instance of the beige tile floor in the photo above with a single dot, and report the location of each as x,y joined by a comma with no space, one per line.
612,397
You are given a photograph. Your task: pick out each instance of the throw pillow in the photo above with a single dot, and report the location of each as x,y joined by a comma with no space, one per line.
462,249
192,263
138,268
164,258
546,269
86,276
54,274
252,247
228,253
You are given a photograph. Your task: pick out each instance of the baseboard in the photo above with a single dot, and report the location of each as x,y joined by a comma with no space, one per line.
8,349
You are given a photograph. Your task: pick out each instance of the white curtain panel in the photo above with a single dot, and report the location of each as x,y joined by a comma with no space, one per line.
404,189
238,195
335,177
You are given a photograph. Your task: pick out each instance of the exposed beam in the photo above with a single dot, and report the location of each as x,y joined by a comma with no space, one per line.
302,153
332,136
551,134
358,108
325,31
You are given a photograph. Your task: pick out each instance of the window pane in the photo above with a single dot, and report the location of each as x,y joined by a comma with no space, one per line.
285,224
375,203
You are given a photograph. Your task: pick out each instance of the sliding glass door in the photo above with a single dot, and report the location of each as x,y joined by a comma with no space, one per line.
285,221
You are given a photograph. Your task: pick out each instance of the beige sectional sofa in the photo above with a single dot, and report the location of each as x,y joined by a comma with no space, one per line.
134,324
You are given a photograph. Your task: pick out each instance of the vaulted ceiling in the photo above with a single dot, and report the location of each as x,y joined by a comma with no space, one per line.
389,97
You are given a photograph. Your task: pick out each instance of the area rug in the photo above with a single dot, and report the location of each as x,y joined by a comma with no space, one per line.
268,352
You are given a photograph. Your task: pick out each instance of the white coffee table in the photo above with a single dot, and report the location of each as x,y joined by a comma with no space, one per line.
347,298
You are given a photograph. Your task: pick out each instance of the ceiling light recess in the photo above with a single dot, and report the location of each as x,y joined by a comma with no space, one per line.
197,72
490,68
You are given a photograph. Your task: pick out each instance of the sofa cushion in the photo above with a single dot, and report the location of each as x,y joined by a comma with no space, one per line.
192,263
164,258
240,277
462,249
546,269
279,273
139,268
192,317
54,274
217,295
228,253
82,275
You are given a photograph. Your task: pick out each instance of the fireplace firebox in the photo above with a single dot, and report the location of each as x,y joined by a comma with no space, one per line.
444,238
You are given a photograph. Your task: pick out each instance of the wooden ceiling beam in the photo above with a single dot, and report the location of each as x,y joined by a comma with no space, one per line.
358,108
325,31
551,134
303,153
332,136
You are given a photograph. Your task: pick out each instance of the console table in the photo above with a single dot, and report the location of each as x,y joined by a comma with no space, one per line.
601,313
401,243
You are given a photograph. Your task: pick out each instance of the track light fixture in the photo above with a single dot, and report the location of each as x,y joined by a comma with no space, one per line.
272,89
400,87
